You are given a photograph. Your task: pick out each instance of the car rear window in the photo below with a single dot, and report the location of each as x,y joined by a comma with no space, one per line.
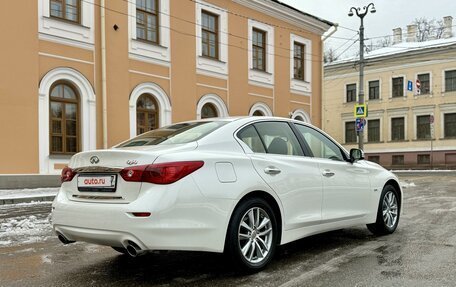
174,134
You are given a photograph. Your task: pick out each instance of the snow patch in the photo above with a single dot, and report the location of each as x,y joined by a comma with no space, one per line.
405,184
24,229
27,193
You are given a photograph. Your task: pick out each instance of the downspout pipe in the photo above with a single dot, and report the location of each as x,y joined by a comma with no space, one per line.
103,75
323,71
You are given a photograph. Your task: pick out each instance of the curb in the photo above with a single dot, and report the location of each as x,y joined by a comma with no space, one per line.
5,201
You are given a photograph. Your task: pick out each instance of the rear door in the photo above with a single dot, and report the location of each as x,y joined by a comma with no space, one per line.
346,185
279,159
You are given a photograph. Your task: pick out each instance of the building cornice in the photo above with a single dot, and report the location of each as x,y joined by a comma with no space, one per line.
406,56
291,16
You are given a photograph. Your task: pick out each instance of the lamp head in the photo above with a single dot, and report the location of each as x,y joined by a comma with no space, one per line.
373,9
350,13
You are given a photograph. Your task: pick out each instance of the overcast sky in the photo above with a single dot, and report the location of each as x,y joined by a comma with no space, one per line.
390,14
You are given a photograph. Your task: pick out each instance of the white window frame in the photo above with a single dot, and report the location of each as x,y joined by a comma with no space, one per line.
421,111
366,128
215,100
80,35
431,91
356,93
149,52
204,65
398,113
443,80
256,77
404,90
345,120
262,107
298,86
445,109
87,101
366,92
303,114
160,96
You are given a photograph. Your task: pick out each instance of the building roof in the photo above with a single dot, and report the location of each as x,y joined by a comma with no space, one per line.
304,13
399,48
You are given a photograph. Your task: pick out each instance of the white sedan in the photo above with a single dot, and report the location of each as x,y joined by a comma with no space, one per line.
238,185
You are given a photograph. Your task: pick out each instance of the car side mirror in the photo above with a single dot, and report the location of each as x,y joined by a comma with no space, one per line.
356,154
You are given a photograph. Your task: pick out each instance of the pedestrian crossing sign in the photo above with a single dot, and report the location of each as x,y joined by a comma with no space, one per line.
360,111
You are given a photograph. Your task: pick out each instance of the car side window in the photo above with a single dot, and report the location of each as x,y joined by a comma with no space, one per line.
251,138
319,144
278,138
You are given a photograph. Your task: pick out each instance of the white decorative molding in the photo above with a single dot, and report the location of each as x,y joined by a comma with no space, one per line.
262,107
87,101
164,104
213,67
65,32
215,100
279,11
149,52
301,113
266,77
299,86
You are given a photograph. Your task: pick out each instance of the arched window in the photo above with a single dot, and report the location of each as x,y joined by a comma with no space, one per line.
146,114
208,111
258,113
64,119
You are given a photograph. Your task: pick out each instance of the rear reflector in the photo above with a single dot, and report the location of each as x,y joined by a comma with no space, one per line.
141,214
67,174
162,173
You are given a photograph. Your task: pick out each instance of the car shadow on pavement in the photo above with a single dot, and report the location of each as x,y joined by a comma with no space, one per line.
207,269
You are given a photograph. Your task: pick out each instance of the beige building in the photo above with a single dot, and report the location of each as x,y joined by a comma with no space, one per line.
79,75
404,128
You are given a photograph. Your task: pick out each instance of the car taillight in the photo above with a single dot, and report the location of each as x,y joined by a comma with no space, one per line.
162,173
67,174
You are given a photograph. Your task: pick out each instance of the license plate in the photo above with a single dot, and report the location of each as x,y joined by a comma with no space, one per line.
103,183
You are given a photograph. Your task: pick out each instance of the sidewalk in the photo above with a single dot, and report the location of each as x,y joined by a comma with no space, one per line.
13,196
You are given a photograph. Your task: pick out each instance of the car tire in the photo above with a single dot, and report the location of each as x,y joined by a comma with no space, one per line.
388,212
251,244
120,249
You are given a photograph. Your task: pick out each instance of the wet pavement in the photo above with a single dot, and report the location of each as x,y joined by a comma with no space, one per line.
420,253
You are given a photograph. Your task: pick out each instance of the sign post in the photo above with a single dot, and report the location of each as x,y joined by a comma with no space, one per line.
431,125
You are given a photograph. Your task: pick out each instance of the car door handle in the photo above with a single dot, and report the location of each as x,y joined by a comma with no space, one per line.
272,170
328,173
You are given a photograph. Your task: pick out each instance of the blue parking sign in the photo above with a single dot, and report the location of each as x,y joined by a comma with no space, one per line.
410,85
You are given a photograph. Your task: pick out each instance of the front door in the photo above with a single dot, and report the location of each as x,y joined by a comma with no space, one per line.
278,158
346,185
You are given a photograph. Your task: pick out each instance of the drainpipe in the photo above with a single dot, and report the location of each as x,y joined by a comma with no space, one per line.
103,75
323,71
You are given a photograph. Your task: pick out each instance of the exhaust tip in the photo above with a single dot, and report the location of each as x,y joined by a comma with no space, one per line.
63,239
133,249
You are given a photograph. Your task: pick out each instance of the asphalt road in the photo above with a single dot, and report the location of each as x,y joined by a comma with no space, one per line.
420,253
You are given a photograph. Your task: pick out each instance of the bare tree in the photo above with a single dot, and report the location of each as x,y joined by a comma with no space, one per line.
428,29
330,55
384,42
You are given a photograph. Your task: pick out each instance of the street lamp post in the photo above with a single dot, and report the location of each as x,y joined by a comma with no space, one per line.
361,13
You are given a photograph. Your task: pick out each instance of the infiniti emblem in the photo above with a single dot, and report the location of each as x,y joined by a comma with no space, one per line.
94,159
131,162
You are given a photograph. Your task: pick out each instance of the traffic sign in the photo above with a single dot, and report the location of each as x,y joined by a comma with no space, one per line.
360,123
360,111
410,85
418,84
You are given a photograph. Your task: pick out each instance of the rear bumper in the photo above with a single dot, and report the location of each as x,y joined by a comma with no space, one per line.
181,219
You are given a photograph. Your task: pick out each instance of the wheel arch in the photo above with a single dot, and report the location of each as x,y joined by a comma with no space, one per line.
397,186
270,200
